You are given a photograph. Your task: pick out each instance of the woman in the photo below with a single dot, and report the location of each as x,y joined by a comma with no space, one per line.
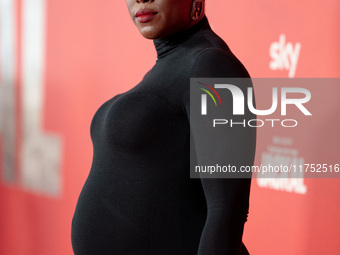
139,198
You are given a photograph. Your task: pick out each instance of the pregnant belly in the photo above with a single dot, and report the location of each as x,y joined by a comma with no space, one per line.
100,227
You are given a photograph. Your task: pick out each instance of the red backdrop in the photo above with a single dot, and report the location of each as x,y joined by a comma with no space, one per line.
60,60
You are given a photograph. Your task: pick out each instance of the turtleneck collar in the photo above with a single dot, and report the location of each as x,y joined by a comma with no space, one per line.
165,45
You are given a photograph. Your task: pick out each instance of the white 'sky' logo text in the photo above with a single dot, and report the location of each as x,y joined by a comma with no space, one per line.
284,56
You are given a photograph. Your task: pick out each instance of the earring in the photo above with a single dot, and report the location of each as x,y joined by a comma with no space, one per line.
197,9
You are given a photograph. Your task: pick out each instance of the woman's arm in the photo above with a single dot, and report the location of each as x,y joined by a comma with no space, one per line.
227,198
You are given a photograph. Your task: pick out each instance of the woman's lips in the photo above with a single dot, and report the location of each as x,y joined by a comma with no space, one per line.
144,16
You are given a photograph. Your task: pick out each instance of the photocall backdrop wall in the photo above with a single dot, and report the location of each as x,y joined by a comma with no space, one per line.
60,60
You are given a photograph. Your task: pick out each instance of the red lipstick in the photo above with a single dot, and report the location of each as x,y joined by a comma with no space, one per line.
144,16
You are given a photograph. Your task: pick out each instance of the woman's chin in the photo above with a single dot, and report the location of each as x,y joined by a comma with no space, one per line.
149,33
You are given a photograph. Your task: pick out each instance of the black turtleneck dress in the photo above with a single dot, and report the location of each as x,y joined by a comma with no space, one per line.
139,198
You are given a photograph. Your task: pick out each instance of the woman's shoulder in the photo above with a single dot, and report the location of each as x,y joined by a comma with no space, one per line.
213,58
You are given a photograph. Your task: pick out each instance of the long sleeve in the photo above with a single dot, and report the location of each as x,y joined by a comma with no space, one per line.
227,198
